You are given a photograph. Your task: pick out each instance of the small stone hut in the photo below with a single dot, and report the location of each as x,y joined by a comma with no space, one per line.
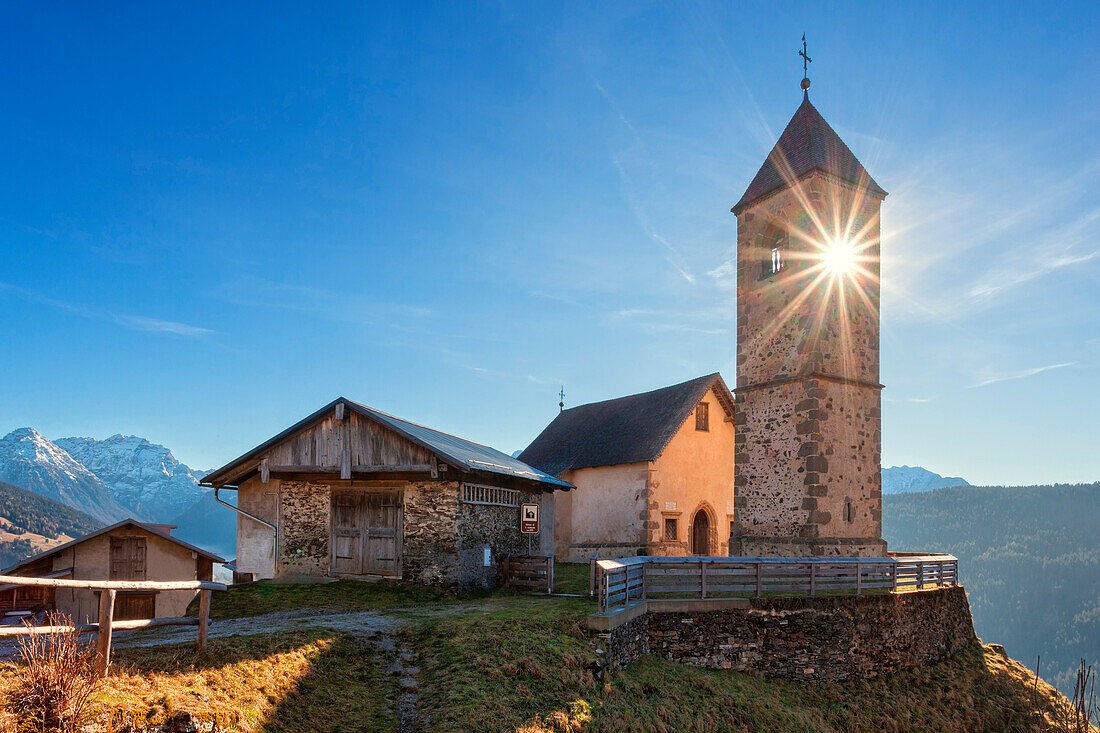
352,492
128,550
654,472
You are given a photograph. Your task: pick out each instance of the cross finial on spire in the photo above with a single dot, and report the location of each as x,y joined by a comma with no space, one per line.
561,398
806,61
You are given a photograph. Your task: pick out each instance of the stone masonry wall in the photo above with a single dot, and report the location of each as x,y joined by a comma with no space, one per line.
808,460
814,639
304,545
495,527
430,549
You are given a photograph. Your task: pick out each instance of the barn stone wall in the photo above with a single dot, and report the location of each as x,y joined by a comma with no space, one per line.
495,527
814,639
305,509
430,549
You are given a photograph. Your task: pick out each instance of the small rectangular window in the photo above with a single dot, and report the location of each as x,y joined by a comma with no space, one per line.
671,533
777,260
702,416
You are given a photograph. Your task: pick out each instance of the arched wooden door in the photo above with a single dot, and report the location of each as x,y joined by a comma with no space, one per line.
700,534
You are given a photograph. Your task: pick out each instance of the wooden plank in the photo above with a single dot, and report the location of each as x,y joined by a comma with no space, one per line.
204,617
393,468
265,471
87,628
112,584
103,635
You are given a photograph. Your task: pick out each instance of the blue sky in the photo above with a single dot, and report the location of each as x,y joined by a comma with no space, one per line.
214,219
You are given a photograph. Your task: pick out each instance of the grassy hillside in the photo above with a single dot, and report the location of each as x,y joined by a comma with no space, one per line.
510,662
1029,558
30,523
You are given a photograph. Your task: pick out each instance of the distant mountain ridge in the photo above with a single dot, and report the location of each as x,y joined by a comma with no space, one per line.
142,476
910,479
30,461
30,523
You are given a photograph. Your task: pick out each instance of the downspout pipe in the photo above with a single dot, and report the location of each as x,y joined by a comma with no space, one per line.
254,518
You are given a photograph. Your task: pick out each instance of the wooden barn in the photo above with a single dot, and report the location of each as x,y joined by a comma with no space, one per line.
352,492
128,550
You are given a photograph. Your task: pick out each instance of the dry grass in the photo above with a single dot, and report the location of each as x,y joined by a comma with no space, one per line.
273,682
55,682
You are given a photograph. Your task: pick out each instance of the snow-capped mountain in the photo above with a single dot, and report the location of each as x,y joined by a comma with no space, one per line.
30,461
908,479
142,476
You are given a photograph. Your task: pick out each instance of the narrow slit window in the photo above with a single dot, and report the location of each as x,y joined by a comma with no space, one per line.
777,260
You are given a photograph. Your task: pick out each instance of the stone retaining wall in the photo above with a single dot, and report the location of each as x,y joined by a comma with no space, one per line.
818,639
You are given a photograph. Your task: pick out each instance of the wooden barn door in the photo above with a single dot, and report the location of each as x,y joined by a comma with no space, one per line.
127,558
383,510
700,534
348,525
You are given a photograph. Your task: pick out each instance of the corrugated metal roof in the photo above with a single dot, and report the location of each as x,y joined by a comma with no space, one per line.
807,144
474,456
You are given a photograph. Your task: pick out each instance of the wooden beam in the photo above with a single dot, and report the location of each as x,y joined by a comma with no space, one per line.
204,617
341,411
113,584
143,623
305,469
404,467
103,637
265,471
435,467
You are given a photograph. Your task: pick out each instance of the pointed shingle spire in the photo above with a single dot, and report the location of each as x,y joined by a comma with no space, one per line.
807,144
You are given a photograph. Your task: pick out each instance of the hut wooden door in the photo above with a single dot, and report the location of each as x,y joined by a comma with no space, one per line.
348,532
383,520
700,534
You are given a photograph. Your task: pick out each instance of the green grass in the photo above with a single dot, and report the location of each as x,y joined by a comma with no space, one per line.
347,595
526,667
571,577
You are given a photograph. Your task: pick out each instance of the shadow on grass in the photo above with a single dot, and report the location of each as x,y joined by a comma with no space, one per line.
308,680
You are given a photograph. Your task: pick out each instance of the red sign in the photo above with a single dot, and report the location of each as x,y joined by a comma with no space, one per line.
529,518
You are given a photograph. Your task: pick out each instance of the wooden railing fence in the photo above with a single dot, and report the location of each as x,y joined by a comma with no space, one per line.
528,571
628,580
106,624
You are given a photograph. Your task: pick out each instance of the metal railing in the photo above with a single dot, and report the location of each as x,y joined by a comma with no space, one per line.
106,623
629,580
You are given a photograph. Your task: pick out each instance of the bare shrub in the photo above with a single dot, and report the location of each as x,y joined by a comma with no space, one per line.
56,683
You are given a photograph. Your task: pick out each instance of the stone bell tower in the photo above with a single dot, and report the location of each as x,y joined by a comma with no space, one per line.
808,459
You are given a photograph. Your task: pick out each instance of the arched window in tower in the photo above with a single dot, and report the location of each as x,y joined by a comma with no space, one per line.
774,262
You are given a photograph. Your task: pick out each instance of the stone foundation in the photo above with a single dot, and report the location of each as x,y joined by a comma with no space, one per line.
814,639
753,546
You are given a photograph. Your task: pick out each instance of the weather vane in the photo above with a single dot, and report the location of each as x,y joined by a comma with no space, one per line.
806,61
561,399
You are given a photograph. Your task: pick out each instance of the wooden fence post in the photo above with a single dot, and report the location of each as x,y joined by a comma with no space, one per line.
813,578
894,575
550,575
592,575
859,579
920,573
758,580
702,579
204,617
103,635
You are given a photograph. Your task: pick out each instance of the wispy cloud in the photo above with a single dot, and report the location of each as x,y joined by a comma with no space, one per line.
637,150
1023,374
140,323
709,321
909,400
134,323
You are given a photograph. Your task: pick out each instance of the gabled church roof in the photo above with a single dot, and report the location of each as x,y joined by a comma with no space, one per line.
632,429
807,144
